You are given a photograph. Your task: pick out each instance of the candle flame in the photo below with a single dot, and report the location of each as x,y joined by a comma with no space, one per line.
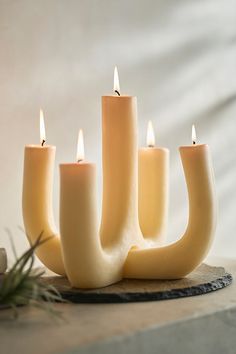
150,135
80,147
194,136
42,129
116,86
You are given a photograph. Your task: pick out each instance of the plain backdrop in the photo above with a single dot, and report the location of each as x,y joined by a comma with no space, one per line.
177,57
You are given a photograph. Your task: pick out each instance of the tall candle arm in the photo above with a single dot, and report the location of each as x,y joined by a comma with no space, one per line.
180,258
37,205
120,167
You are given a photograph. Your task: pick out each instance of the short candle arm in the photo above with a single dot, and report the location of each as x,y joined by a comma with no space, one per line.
153,193
87,263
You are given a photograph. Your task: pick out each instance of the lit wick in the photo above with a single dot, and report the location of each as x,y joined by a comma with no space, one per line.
194,136
42,129
116,87
80,147
150,135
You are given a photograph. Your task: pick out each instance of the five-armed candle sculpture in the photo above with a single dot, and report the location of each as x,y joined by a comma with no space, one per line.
134,206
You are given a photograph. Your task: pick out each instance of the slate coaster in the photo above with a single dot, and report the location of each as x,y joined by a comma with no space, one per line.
202,280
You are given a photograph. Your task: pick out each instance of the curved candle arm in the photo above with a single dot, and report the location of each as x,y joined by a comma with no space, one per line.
37,205
180,258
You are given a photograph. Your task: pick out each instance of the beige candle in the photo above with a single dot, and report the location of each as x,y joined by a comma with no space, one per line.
153,188
180,258
37,201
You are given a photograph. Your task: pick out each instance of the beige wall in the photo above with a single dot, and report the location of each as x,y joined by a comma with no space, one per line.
178,57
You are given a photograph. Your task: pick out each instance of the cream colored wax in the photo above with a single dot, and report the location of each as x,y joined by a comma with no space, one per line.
180,258
153,189
37,204
95,259
92,258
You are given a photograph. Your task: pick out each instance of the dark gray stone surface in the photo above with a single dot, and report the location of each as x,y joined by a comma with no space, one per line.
203,280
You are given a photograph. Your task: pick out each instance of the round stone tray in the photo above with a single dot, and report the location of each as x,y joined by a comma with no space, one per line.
202,280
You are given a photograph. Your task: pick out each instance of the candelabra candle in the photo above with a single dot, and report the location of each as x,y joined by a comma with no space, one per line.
180,258
95,259
153,188
37,201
